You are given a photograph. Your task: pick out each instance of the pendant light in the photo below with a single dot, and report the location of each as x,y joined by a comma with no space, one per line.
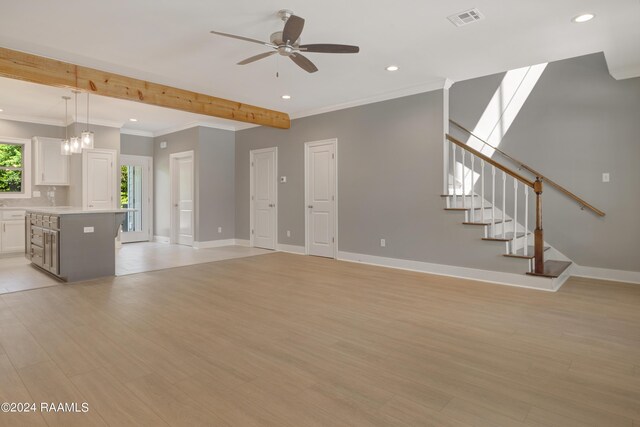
87,136
76,144
65,146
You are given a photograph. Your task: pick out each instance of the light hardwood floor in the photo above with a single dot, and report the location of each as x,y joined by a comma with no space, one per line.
287,340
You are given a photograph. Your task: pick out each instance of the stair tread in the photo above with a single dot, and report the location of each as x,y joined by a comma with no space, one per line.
498,221
520,253
506,238
465,209
553,268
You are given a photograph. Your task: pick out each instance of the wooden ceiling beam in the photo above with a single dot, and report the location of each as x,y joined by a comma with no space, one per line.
51,72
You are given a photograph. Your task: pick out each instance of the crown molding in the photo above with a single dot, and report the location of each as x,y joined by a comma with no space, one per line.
31,119
408,91
191,125
136,132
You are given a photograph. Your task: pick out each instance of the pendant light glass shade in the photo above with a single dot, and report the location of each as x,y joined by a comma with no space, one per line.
87,136
65,145
76,145
87,139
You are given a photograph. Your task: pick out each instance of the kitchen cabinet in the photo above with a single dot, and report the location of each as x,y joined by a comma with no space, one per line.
12,237
51,167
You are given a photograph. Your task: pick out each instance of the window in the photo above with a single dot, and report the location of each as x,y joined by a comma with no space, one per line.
15,168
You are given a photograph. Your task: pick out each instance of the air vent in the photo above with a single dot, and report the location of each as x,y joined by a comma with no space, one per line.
466,17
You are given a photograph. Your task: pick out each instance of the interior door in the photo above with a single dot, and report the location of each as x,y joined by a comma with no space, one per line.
264,198
135,193
320,198
99,177
183,194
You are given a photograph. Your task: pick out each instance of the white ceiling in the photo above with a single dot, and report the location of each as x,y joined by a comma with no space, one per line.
168,41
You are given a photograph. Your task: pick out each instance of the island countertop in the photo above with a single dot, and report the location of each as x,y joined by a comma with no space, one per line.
70,210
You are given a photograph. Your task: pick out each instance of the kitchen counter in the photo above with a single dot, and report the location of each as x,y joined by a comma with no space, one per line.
71,243
70,210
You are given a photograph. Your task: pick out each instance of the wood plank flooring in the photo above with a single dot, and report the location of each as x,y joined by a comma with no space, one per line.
287,340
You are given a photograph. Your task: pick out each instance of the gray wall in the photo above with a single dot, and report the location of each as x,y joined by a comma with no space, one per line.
214,181
216,184
135,145
15,129
390,181
177,142
578,123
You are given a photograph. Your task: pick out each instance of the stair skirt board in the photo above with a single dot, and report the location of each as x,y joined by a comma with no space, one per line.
495,277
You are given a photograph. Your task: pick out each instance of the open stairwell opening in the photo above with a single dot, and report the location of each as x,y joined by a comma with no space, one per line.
505,204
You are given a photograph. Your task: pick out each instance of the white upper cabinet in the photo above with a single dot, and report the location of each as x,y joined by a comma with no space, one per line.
51,167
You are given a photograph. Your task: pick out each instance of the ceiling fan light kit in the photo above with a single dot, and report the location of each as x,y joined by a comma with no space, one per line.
287,43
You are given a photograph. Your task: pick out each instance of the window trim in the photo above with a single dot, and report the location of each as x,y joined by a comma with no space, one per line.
26,167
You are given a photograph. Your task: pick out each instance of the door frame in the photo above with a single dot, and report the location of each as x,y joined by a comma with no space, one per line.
173,233
307,146
85,175
149,165
252,154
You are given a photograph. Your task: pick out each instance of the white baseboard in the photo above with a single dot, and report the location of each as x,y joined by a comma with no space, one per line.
607,274
242,242
161,239
292,249
214,243
497,277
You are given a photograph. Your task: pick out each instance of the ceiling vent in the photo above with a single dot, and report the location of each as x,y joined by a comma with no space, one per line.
466,17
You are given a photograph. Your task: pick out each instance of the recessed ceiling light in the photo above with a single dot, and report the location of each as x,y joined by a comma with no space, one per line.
133,120
585,17
393,68
286,96
1,110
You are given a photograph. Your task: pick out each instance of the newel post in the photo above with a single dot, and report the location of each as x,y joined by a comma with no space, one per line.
538,233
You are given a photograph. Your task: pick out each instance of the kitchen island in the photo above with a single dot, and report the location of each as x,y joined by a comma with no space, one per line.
71,243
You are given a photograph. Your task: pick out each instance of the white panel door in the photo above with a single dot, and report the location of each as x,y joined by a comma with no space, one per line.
321,192
264,217
183,227
100,179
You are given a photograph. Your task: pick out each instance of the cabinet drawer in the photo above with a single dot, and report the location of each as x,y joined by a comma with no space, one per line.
11,215
36,237
54,222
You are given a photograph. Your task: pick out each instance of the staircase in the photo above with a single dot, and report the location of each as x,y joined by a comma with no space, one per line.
498,200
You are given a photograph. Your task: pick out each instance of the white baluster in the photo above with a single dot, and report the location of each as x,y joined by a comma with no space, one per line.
515,215
526,219
482,191
504,202
493,201
464,182
455,175
473,199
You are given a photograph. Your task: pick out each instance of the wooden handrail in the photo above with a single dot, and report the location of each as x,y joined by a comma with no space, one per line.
489,160
555,185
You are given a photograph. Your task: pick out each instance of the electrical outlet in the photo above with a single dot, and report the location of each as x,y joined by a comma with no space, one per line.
288,233
36,193
219,229
163,144
606,177
383,243
89,229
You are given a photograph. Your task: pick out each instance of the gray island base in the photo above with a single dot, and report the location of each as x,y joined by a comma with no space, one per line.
73,244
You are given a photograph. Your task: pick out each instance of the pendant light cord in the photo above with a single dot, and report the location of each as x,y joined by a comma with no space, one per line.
87,111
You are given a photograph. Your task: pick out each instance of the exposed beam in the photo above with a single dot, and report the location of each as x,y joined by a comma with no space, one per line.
51,72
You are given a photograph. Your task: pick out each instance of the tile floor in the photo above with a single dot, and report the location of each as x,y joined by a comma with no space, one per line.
16,273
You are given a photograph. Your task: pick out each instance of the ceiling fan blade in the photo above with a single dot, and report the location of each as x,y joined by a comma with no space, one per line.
303,63
256,58
247,39
292,29
329,48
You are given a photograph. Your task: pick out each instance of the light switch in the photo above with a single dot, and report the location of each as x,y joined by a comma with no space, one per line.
219,229
89,229
288,233
383,243
605,177
163,144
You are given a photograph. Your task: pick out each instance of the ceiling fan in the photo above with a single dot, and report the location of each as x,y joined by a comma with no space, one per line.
287,43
